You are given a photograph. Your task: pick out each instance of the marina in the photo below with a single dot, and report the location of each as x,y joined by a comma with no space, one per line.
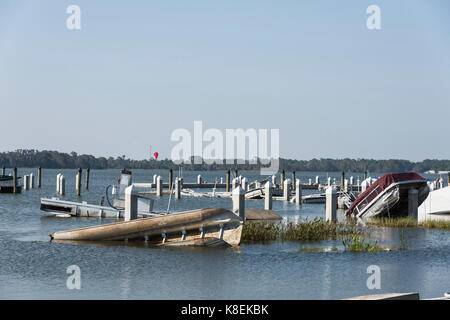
309,262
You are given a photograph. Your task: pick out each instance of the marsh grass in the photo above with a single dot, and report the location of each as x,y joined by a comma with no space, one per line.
356,243
307,230
406,222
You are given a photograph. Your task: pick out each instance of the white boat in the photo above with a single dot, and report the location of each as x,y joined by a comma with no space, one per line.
436,206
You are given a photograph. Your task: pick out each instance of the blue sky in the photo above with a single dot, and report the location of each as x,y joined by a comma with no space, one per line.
137,70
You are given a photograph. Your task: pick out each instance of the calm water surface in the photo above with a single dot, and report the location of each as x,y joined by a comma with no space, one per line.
31,267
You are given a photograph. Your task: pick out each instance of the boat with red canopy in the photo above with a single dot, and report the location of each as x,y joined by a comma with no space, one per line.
388,196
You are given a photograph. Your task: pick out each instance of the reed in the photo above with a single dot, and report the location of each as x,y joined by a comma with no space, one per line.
407,222
307,230
356,243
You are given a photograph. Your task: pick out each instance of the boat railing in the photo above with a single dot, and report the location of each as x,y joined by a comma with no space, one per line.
368,199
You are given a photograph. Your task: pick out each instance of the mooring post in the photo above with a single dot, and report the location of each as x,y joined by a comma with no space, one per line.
159,187
39,177
78,182
15,180
413,203
131,203
235,173
365,174
57,182
293,180
228,181
87,179
342,180
329,181
331,204
31,181
199,179
310,181
298,192
177,188
352,180
244,184
286,191
234,183
155,176
62,185
282,179
3,171
274,180
317,180
268,196
239,202
170,179
346,185
25,182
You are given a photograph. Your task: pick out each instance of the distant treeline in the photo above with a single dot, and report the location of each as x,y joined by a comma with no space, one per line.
59,160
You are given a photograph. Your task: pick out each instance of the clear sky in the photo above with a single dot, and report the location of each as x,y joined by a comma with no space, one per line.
137,70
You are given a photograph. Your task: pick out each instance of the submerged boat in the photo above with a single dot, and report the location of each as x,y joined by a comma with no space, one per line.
388,196
6,184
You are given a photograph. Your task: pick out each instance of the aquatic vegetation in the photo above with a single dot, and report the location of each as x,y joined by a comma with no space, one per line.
356,243
408,222
306,230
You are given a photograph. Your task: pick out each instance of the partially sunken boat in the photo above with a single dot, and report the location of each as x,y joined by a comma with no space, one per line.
6,184
203,226
388,196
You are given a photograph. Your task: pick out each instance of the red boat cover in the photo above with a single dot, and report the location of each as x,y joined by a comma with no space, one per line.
384,182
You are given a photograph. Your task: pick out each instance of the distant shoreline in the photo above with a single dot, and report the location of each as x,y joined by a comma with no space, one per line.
58,160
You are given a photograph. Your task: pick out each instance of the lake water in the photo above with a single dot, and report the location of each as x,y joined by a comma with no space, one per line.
32,267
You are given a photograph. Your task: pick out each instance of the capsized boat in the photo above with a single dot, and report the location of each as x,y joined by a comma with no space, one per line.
388,196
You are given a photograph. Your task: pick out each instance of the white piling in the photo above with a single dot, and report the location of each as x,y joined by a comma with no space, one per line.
221,180
131,203
286,191
329,181
352,180
57,182
239,202
298,192
331,204
159,188
155,176
62,185
31,181
78,182
413,203
26,182
274,180
310,181
177,189
317,180
268,196
199,179
346,185
244,184
234,183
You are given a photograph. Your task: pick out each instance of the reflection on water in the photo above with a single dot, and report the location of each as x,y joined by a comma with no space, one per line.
33,267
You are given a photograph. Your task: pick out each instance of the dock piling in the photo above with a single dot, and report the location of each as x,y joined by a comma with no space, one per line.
298,192
331,204
244,184
228,181
62,185
78,182
177,188
239,202
26,182
413,203
170,179
342,180
57,182
131,203
159,187
293,180
87,178
286,191
282,180
274,180
3,171
39,177
199,179
268,196
31,181
15,190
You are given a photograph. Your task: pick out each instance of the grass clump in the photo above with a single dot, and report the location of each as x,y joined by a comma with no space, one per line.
355,243
307,230
408,222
